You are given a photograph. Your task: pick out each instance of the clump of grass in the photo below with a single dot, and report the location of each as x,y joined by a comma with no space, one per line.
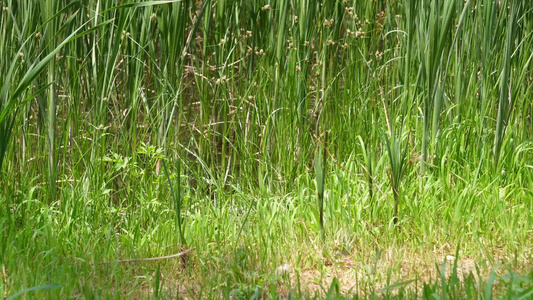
398,160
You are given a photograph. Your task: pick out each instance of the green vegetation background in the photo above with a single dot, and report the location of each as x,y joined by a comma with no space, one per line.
364,140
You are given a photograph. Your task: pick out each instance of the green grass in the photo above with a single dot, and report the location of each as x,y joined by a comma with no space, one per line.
295,147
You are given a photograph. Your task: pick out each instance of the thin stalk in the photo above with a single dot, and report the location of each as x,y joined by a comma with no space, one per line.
504,98
320,169
177,200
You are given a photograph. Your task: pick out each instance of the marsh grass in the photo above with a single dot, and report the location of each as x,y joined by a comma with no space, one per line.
146,128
